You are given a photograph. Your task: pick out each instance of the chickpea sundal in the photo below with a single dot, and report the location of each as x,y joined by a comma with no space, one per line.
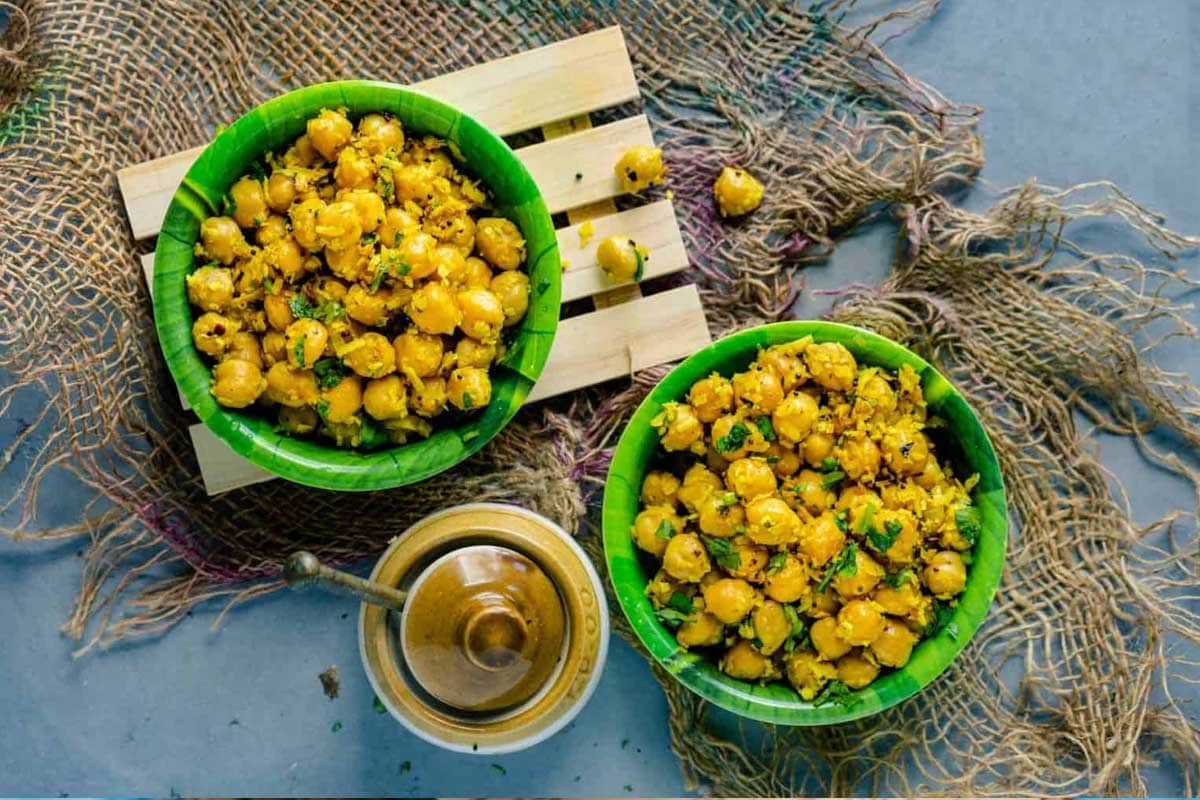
804,528
355,285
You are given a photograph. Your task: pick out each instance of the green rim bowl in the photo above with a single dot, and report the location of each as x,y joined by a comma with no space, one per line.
273,125
970,451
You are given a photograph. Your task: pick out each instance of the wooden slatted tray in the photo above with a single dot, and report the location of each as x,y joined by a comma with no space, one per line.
553,89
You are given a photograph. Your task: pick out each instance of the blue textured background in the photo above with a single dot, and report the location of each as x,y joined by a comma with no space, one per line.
1073,91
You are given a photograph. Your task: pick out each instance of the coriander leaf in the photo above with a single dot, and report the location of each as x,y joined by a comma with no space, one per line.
800,488
722,551
842,520
835,692
681,603
969,524
641,264
729,499
898,579
767,429
671,618
829,464
845,565
794,620
377,279
329,372
832,479
942,614
299,306
323,408
864,522
298,351
367,238
665,530
733,440
777,563
468,403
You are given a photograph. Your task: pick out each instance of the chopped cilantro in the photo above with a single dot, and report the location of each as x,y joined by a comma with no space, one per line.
468,402
768,430
377,278
269,284
845,565
837,693
728,499
228,206
794,620
641,264
832,479
800,488
723,552
733,440
881,541
942,613
682,603
323,408
777,563
665,530
829,464
368,238
671,617
298,351
898,579
329,372
772,460
842,520
864,522
326,312
756,643
969,524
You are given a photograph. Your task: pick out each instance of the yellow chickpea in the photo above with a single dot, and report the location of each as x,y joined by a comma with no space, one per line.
903,548
286,256
698,483
867,575
369,308
685,558
340,402
213,333
306,340
831,365
894,645
789,583
412,183
325,289
858,457
418,354
898,600
274,347
386,398
210,288
771,626
301,153
482,314
808,491
729,599
472,353
371,356
823,604
500,242
752,560
433,309
469,388
750,477
249,201
794,417
513,290
701,630
640,167
784,360
758,389
874,396
945,575
817,447
822,539
305,217
905,450
931,476
222,239
859,622
451,225
368,205
271,230
237,383
428,398
807,673
279,314
829,645
397,224
280,191
719,514
856,670
654,526
448,263
678,428
769,521
735,438
291,387
378,133
711,397
477,274
737,192
354,170
742,661
659,488
784,460
298,421
329,132
620,258
244,347
338,225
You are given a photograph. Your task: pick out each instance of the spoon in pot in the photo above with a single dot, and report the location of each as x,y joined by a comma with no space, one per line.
303,569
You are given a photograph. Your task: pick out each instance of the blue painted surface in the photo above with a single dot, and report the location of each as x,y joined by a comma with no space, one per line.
1073,90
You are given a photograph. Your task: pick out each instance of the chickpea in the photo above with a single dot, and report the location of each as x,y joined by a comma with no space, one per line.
279,314
742,661
367,204
931,476
771,626
654,526
725,439
371,356
428,397
817,447
758,389
906,451
729,599
903,548
324,289
344,434
513,290
621,258
794,417
274,348
342,400
354,170
472,353
301,153
711,397
222,240
249,201
659,488
338,225
477,274
329,132
856,670
822,539
858,457
305,217
678,428
859,622
702,630
286,256
306,340
829,645
822,604
451,225
397,224
737,192
482,314
271,230
807,673
448,263
790,583
500,242
640,167
867,575
831,365
720,515
874,396
807,489
298,421
378,134
769,521
289,386
213,333
412,183
894,645
433,309
750,477
281,191
784,360
386,398
685,558
418,354
469,388
210,288
698,483
244,347
365,307
784,460
945,575
237,383
752,560
898,600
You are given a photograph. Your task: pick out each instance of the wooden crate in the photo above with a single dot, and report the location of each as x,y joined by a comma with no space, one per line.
554,89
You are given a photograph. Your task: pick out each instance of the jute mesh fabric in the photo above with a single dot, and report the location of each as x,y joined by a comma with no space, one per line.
1031,326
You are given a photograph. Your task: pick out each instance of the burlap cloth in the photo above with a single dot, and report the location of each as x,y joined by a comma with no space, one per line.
1032,327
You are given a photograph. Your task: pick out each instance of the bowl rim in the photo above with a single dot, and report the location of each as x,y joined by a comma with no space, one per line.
309,462
763,703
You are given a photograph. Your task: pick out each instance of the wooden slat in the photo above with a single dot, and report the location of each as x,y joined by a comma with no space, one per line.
509,95
653,226
588,349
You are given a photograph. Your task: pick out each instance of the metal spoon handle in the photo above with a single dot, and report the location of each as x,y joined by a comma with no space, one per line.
303,569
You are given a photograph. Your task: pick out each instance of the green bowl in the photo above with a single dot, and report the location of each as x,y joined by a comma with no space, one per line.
968,447
273,125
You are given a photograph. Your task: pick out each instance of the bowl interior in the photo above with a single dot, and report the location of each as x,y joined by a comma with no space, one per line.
967,447
273,125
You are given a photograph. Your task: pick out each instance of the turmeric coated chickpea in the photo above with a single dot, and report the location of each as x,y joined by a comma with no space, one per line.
482,314
678,428
371,356
794,417
685,558
213,333
469,388
700,630
859,622
513,290
304,216
769,521
737,192
898,600
750,477
751,560
719,514
894,645
729,599
734,438
397,224
500,242
698,483
369,205
272,230
280,192
654,526
298,421
354,170
428,398
858,456
222,239
289,386
856,670
249,202
711,397
306,340
829,645
449,264
244,347
620,258
817,447
418,354
807,673
329,132
659,488
831,365
340,402
867,575
874,396
237,383
822,539
210,288
640,167
378,134
433,309
808,490
742,661
279,314
789,583
386,398
369,308
477,274
757,388
905,450
338,226
771,626
945,575
274,347
474,353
